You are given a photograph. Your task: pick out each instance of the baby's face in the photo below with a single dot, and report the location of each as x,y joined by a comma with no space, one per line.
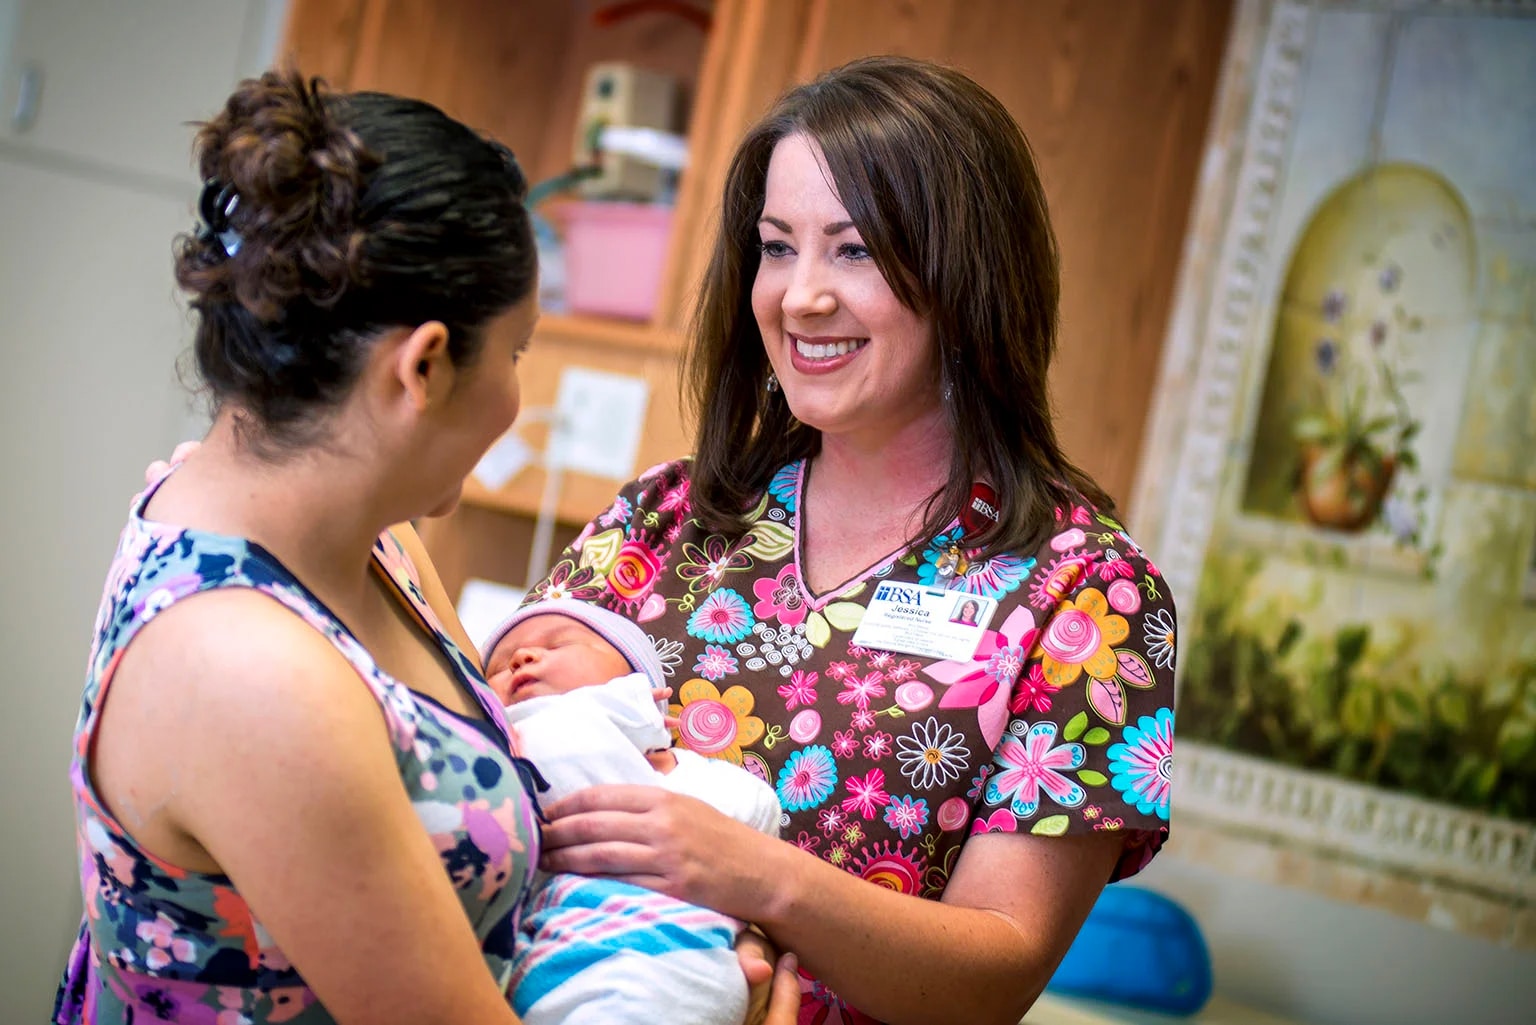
551,654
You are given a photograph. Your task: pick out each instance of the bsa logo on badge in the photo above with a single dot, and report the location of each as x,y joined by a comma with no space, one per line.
899,594
918,620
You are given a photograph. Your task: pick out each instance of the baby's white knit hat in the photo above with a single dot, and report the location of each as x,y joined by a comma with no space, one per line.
622,633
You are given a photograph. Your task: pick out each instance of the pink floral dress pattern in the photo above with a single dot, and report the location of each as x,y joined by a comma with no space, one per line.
161,943
886,763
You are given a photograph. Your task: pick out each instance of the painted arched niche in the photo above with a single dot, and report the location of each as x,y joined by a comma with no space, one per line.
1367,366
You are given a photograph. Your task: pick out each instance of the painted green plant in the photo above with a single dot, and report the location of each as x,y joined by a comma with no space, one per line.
1357,431
1348,421
1334,703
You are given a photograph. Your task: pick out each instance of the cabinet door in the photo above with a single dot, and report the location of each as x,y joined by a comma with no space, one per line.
516,68
113,85
488,63
1114,98
754,49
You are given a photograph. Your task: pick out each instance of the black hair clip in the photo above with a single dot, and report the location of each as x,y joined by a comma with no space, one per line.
215,206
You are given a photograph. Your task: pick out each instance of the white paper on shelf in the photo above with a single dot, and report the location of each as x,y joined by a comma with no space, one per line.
598,422
502,461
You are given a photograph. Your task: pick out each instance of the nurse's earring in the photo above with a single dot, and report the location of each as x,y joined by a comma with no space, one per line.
772,384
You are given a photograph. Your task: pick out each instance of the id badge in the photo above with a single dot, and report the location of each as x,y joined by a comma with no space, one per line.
927,621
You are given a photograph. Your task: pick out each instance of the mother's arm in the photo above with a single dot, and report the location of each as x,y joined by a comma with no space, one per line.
343,876
981,954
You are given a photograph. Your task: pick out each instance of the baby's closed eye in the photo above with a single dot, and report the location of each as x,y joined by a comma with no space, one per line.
500,658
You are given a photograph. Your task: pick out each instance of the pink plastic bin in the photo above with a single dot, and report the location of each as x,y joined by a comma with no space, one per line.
614,254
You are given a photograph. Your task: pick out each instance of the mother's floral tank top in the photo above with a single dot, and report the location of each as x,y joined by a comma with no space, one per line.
162,943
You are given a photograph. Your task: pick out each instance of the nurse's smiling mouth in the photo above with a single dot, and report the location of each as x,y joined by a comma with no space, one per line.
821,354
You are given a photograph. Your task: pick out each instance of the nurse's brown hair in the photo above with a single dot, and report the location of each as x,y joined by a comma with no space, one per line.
940,182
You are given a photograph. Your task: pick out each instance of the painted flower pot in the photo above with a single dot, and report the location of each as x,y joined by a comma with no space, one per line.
1343,493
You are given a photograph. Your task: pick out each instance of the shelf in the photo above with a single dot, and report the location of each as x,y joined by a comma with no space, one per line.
582,496
645,351
617,334
520,496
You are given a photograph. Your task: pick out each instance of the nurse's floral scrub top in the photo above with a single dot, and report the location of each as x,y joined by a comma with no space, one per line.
1060,723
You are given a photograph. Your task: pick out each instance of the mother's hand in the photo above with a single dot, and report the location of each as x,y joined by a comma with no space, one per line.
784,996
774,988
160,467
663,841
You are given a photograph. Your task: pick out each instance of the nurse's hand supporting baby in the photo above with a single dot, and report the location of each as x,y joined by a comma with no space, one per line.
665,842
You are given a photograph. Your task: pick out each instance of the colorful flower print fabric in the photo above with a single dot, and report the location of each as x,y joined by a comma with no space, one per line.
886,763
161,943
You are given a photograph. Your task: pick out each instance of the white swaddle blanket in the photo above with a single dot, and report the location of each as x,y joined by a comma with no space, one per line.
599,951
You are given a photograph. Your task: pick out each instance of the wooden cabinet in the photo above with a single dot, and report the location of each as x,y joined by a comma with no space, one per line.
1113,96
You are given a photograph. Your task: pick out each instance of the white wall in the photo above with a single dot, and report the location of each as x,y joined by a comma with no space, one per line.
90,328
1303,956
9,9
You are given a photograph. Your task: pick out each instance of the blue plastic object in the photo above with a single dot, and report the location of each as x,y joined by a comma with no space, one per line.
1141,949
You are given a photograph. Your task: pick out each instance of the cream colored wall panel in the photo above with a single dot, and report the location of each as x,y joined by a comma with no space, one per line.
90,329
117,80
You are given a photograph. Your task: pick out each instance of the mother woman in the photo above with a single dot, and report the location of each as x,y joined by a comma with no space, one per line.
296,799
875,444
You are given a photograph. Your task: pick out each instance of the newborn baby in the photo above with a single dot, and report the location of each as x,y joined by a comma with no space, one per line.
583,687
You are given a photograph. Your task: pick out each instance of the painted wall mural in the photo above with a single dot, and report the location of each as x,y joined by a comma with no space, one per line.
1342,469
